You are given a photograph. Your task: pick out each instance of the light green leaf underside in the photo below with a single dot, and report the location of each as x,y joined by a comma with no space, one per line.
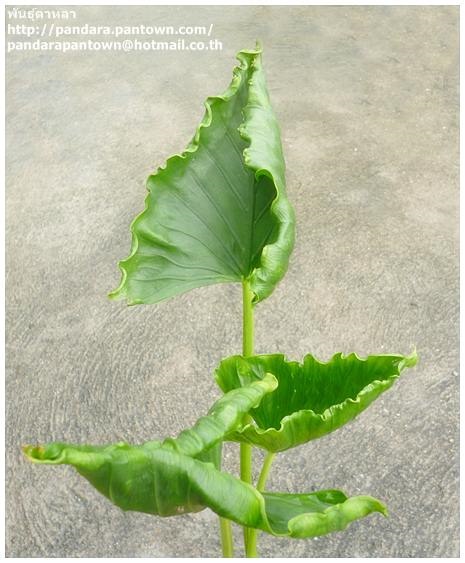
313,398
157,480
140,477
175,476
218,212
225,415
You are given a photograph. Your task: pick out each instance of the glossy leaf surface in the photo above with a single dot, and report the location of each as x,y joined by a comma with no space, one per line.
161,477
225,415
312,398
218,212
171,477
155,479
316,514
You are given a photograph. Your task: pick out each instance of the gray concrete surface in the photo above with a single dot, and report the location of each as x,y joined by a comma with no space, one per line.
367,98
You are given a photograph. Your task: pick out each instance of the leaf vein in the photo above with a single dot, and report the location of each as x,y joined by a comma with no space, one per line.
190,235
220,214
225,176
182,266
195,214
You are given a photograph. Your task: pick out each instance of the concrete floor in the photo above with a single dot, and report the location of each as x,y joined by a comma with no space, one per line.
367,99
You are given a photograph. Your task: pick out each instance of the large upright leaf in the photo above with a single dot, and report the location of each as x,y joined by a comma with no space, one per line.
218,212
312,398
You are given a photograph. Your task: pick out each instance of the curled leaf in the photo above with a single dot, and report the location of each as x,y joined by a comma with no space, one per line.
225,415
155,479
312,398
318,513
218,212
180,475
160,477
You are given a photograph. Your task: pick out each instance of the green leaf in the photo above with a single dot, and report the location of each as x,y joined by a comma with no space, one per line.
316,514
181,475
157,480
313,398
156,477
218,212
224,416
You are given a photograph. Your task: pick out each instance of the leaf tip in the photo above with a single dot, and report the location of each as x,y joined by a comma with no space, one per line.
120,291
380,507
118,294
113,295
412,360
52,453
374,505
33,453
256,51
271,380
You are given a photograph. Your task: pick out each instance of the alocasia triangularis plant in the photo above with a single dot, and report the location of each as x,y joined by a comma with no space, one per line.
216,213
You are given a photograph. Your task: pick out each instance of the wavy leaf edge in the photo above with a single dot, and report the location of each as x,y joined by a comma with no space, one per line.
286,229
336,517
177,459
404,361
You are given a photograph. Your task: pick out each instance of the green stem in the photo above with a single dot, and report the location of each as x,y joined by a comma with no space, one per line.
247,350
226,538
246,463
247,319
265,471
251,550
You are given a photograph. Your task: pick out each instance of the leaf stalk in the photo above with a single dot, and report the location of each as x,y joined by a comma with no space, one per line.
253,534
265,471
226,538
247,350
